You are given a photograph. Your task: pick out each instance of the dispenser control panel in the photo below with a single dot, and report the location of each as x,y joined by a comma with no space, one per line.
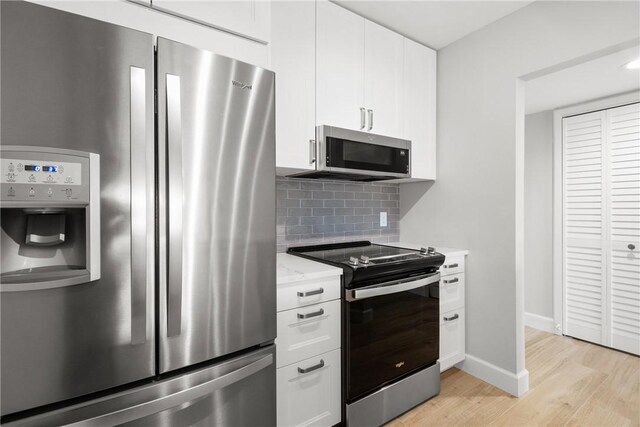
18,171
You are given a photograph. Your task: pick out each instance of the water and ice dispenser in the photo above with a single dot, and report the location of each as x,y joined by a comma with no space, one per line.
50,218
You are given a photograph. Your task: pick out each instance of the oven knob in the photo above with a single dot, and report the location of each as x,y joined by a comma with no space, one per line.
353,260
364,259
431,250
423,251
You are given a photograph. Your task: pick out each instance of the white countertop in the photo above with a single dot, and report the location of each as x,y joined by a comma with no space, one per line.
293,268
444,251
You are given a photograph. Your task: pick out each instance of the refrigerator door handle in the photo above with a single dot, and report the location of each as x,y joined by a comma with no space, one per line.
135,412
174,211
142,209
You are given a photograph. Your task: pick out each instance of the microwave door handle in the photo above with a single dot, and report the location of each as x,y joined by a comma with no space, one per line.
174,208
378,290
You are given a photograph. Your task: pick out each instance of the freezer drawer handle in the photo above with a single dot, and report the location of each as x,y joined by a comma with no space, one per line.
454,265
311,293
449,319
311,368
454,280
310,315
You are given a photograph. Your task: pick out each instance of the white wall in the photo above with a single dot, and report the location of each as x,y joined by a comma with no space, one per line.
538,214
477,200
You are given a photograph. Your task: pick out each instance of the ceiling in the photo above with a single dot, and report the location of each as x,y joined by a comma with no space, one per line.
591,80
433,23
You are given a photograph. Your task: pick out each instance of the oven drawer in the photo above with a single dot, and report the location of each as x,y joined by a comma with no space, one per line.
451,292
307,331
310,398
308,292
451,338
452,265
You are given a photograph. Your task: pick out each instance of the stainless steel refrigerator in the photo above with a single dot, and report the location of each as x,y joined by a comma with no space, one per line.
138,228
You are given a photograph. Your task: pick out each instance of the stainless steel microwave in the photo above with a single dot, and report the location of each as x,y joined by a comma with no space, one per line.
358,156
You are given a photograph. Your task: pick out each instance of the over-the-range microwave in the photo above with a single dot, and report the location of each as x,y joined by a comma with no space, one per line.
358,156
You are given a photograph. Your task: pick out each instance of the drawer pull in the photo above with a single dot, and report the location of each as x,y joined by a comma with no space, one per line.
454,265
310,315
311,368
454,280
449,319
311,293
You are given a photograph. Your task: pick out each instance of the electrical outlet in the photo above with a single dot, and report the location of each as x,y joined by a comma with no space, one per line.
383,219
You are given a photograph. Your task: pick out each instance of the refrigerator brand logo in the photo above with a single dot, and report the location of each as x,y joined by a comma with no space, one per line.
399,365
242,85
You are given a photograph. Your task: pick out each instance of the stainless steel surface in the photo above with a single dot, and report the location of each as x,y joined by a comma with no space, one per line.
175,191
217,395
362,118
312,151
312,368
391,401
311,293
450,318
310,315
226,238
370,119
454,280
631,246
390,287
66,83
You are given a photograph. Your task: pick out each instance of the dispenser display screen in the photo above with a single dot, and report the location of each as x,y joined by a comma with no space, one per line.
34,168
21,171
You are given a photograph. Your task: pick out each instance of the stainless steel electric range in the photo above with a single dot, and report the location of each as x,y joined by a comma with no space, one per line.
390,326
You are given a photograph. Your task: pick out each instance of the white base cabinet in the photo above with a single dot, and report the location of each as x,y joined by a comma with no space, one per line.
452,313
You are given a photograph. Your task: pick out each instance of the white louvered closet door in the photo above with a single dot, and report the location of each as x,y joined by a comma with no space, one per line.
601,185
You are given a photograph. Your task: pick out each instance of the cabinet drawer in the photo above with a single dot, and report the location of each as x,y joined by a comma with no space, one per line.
452,265
451,338
451,292
307,331
300,294
310,398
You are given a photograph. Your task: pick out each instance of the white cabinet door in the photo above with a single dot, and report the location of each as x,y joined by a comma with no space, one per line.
293,58
451,338
249,18
419,115
340,66
383,76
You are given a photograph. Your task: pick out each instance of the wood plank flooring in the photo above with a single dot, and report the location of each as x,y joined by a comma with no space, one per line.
571,383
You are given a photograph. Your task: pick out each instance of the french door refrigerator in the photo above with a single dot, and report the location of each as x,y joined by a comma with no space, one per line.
178,328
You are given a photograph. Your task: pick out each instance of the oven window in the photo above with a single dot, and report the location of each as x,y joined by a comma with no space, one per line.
342,153
390,336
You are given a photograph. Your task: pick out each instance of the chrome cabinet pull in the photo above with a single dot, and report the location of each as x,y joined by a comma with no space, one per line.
454,280
311,368
449,319
631,246
311,293
312,151
310,315
362,118
370,119
454,265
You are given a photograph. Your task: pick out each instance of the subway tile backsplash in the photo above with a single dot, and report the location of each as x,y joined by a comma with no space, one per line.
311,211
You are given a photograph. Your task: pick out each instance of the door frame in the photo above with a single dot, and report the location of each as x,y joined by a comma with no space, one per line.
558,219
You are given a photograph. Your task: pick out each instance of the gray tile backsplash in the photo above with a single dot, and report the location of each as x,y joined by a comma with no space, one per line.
311,211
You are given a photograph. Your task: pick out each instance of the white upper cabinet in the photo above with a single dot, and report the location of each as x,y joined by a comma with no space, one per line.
293,58
419,114
340,67
248,18
383,77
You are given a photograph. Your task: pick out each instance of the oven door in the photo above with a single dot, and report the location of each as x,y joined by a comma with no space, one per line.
392,330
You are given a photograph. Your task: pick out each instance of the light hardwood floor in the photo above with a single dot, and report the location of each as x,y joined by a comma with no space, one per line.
571,382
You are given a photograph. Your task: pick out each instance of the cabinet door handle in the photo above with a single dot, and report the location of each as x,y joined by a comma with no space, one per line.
362,118
311,368
311,293
449,319
312,151
310,315
454,265
454,280
370,119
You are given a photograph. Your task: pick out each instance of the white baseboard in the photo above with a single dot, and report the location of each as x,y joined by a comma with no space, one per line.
540,322
515,384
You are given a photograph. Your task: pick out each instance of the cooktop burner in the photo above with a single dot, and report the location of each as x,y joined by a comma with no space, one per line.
364,261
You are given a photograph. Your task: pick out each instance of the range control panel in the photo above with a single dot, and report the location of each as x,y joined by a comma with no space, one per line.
31,175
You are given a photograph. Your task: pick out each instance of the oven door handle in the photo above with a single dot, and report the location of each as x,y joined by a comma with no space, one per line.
391,287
